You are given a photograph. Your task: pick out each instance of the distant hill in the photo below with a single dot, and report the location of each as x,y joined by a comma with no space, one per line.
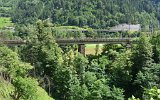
91,13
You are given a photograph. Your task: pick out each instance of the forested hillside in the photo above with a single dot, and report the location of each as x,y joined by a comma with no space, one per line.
92,13
45,70
95,14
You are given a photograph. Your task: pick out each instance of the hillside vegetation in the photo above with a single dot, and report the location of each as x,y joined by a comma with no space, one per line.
91,13
45,70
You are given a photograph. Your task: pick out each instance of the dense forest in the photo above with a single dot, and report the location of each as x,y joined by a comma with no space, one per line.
45,70
95,14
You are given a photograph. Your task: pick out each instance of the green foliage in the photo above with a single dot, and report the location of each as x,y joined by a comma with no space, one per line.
25,88
11,63
48,60
45,53
142,54
13,70
149,76
27,11
116,74
121,66
99,91
67,32
95,14
5,21
41,94
78,92
6,89
143,71
152,94
155,40
28,89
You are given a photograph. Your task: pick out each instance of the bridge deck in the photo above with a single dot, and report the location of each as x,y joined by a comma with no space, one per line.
94,41
77,41
13,42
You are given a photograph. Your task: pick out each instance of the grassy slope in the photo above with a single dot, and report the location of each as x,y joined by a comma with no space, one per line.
90,48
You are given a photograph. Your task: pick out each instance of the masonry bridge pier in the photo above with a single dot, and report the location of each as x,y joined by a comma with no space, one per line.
80,42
